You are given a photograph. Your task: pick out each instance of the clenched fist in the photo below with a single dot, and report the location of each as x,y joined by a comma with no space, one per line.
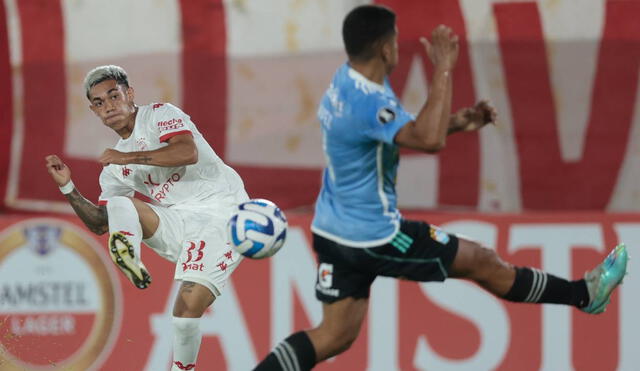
60,172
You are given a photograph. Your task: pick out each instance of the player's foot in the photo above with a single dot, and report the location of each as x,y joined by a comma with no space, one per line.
604,278
122,253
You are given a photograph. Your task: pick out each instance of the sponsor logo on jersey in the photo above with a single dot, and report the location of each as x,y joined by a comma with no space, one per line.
150,182
195,253
126,171
170,125
386,115
59,302
159,192
325,275
199,267
325,280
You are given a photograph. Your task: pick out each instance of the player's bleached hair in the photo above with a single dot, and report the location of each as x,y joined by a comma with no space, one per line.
103,73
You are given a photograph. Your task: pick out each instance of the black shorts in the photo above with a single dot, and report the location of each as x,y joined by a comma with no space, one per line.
418,252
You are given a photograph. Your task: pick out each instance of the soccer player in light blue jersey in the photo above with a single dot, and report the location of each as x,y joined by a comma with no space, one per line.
359,234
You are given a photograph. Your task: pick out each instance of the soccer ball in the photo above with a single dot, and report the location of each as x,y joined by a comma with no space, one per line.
257,229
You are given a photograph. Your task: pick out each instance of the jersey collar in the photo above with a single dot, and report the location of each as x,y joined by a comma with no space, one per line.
358,77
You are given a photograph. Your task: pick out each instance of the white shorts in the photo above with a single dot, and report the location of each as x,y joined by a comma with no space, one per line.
195,239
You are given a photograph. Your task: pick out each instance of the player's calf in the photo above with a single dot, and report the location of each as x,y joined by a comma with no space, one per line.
186,344
484,266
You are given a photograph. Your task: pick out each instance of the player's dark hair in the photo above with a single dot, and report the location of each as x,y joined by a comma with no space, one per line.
364,27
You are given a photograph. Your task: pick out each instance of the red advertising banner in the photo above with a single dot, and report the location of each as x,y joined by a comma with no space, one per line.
64,305
562,76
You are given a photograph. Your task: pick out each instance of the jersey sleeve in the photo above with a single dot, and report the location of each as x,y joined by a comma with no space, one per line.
383,118
111,186
170,121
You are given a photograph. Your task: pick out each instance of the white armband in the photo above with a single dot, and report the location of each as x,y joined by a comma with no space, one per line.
67,188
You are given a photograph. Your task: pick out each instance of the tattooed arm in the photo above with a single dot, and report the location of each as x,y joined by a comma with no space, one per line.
181,150
94,217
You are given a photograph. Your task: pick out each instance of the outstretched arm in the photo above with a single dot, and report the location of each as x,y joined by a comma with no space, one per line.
93,216
429,130
472,118
181,150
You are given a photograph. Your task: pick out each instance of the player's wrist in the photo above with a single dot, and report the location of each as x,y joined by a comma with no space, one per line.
67,188
133,157
444,69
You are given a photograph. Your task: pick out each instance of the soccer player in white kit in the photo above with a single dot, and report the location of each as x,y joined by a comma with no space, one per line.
162,155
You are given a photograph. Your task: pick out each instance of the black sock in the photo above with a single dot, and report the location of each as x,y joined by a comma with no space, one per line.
535,286
294,353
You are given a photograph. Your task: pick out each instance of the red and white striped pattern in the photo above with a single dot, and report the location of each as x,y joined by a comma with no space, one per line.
250,74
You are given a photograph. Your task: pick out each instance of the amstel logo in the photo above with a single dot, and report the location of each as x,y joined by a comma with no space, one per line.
59,298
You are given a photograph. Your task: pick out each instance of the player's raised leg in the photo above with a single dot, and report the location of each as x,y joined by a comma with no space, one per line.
130,220
524,284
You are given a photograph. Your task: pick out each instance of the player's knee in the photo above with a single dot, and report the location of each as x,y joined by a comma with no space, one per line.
120,203
486,262
192,301
189,308
186,312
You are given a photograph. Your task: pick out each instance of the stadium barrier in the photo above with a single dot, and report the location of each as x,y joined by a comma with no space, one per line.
64,305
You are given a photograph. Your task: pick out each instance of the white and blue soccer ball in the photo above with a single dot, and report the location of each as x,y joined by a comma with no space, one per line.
257,229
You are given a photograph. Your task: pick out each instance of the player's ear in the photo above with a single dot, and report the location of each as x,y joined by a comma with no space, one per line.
130,93
386,49
94,109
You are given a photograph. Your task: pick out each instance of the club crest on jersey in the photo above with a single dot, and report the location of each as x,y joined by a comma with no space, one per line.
386,115
438,235
142,144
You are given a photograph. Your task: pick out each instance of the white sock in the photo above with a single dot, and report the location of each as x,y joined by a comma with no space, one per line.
123,218
186,343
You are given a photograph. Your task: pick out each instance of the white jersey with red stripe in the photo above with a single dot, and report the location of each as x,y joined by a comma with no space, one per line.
208,181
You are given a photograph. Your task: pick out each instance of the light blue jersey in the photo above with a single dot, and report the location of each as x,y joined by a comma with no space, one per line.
357,203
